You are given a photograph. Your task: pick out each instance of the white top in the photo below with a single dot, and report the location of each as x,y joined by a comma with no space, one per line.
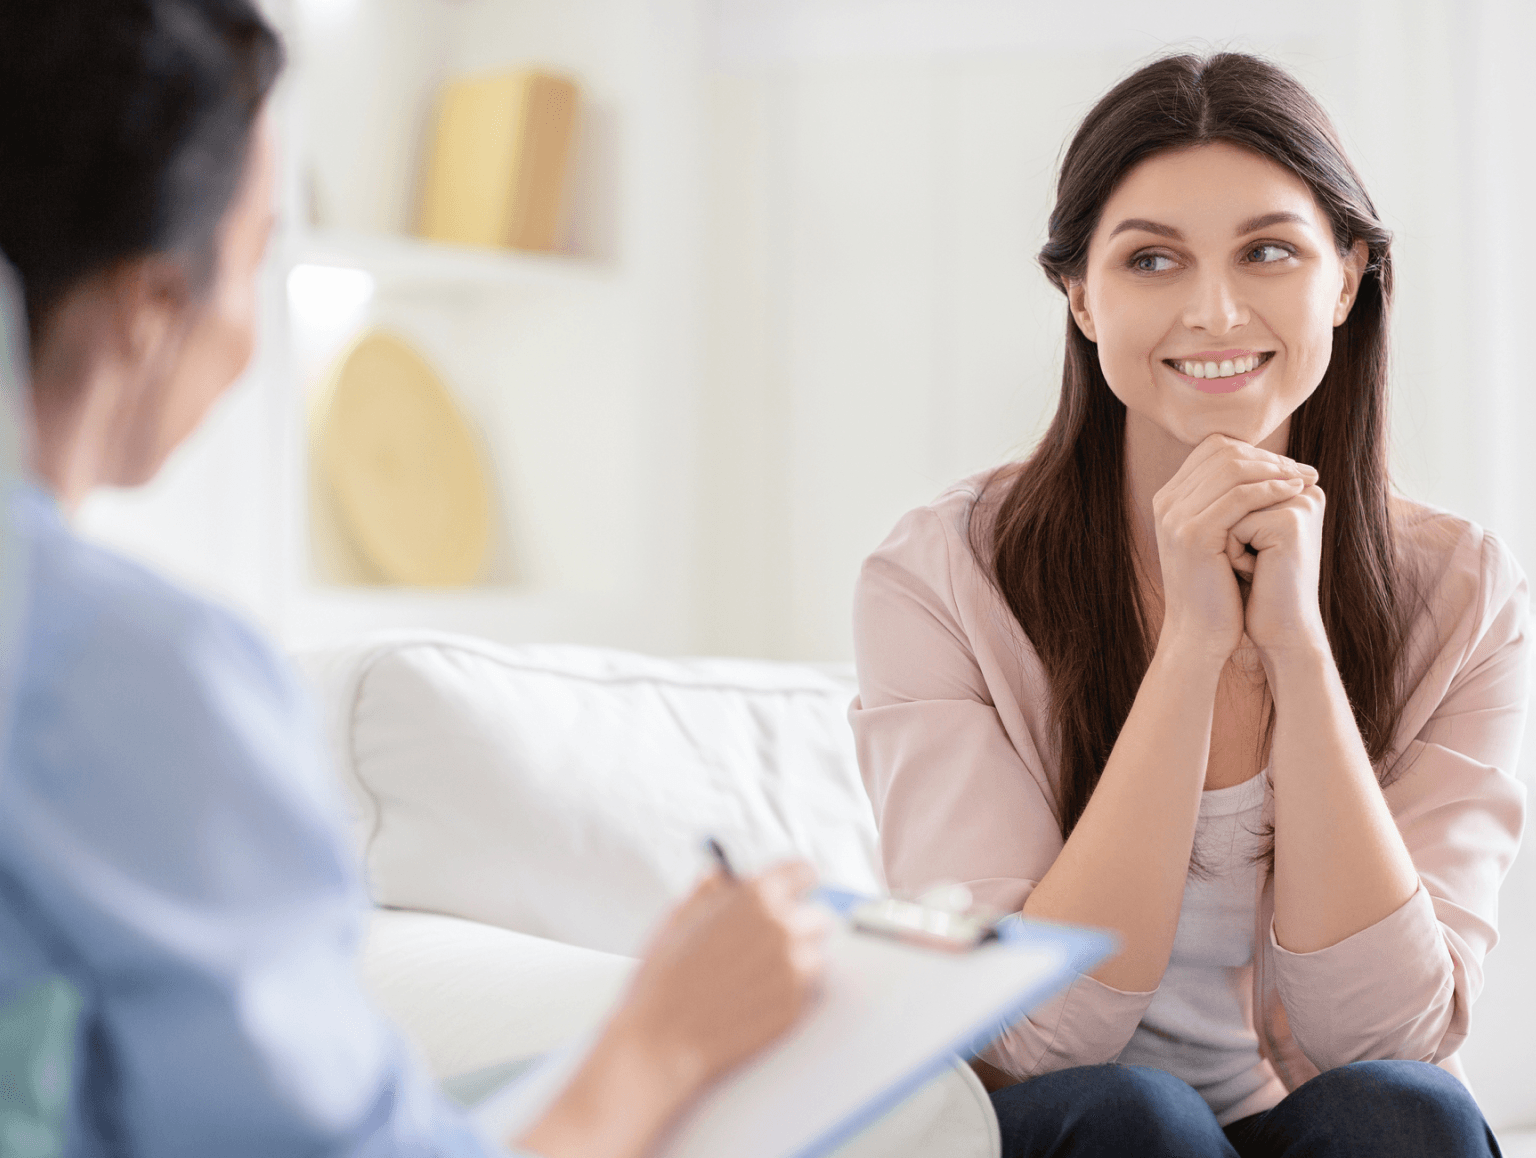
1199,1026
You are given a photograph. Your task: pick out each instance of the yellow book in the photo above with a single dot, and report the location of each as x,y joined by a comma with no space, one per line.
497,162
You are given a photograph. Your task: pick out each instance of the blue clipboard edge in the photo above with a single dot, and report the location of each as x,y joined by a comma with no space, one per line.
1084,949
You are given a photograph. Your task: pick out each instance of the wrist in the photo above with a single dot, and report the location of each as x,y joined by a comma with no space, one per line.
624,1095
1305,657
643,1053
1196,663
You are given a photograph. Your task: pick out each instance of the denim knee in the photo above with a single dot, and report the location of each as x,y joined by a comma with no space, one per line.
1107,1110
1392,1089
1398,1108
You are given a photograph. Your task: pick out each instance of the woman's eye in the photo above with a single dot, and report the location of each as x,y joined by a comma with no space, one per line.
1151,262
1265,254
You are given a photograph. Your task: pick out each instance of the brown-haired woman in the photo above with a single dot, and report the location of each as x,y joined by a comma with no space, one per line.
1149,680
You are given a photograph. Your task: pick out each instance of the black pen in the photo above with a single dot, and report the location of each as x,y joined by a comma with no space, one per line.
715,850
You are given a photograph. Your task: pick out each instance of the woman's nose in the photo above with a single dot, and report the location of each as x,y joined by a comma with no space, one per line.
1214,305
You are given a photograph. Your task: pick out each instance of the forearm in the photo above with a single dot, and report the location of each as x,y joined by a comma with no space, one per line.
619,1102
1340,863
1124,866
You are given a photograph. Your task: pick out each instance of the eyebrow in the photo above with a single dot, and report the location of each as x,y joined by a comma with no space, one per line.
1252,225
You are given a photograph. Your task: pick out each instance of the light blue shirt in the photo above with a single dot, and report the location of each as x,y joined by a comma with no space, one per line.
179,911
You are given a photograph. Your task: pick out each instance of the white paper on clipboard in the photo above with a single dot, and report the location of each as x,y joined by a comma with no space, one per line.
890,1017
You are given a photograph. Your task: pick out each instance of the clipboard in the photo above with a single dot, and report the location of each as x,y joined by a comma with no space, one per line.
892,1015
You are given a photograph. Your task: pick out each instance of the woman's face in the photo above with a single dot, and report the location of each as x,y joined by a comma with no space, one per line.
1211,290
217,334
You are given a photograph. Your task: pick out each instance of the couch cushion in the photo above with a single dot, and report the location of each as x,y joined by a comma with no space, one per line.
565,791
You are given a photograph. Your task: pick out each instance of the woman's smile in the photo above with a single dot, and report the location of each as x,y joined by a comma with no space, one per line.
1220,371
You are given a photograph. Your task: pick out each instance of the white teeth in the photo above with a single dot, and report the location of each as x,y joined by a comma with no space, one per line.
1225,369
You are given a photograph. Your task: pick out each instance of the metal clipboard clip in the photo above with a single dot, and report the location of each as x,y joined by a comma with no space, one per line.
941,919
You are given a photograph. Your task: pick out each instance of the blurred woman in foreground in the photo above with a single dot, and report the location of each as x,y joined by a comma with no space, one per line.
178,909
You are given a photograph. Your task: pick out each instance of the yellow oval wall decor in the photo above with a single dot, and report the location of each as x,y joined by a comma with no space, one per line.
409,484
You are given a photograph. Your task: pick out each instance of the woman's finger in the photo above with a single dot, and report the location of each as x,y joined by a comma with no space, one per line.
1199,481
1239,502
808,923
1217,447
1206,487
1238,555
787,880
1270,526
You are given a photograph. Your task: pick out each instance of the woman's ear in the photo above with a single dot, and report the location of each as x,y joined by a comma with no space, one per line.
1354,269
1077,302
152,296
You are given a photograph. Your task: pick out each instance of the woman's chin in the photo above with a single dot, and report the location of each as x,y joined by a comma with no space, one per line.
1193,429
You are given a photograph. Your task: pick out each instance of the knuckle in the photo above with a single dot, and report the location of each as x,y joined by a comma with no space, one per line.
778,944
761,907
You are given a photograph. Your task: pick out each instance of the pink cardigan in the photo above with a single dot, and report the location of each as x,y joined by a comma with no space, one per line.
955,744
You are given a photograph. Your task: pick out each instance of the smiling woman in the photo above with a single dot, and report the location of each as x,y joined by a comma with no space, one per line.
1150,679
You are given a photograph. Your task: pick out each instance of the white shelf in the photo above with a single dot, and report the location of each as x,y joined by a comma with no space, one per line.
404,262
551,355
321,615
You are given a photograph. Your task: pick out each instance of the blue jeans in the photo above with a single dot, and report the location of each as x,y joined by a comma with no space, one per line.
1390,1109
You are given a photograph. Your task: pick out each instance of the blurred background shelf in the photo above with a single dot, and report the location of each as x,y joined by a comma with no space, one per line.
402,262
322,612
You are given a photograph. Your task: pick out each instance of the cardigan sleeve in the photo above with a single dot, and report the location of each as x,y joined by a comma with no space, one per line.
956,796
1404,987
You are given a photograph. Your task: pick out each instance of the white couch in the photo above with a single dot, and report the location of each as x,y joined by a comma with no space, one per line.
524,815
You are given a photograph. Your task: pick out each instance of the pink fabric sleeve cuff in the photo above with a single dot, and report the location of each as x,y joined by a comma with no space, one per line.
1089,1024
1388,991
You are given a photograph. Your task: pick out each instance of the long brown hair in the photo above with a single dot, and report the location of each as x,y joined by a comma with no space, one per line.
1059,540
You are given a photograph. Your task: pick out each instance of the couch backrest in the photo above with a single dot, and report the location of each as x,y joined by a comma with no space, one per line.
565,791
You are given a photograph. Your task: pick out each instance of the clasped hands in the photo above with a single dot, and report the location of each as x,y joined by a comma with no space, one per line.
1233,509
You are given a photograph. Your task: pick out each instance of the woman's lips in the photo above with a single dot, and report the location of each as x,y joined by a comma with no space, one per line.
1221,385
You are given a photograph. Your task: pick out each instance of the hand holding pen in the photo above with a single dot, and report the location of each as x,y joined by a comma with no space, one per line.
732,968
735,963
